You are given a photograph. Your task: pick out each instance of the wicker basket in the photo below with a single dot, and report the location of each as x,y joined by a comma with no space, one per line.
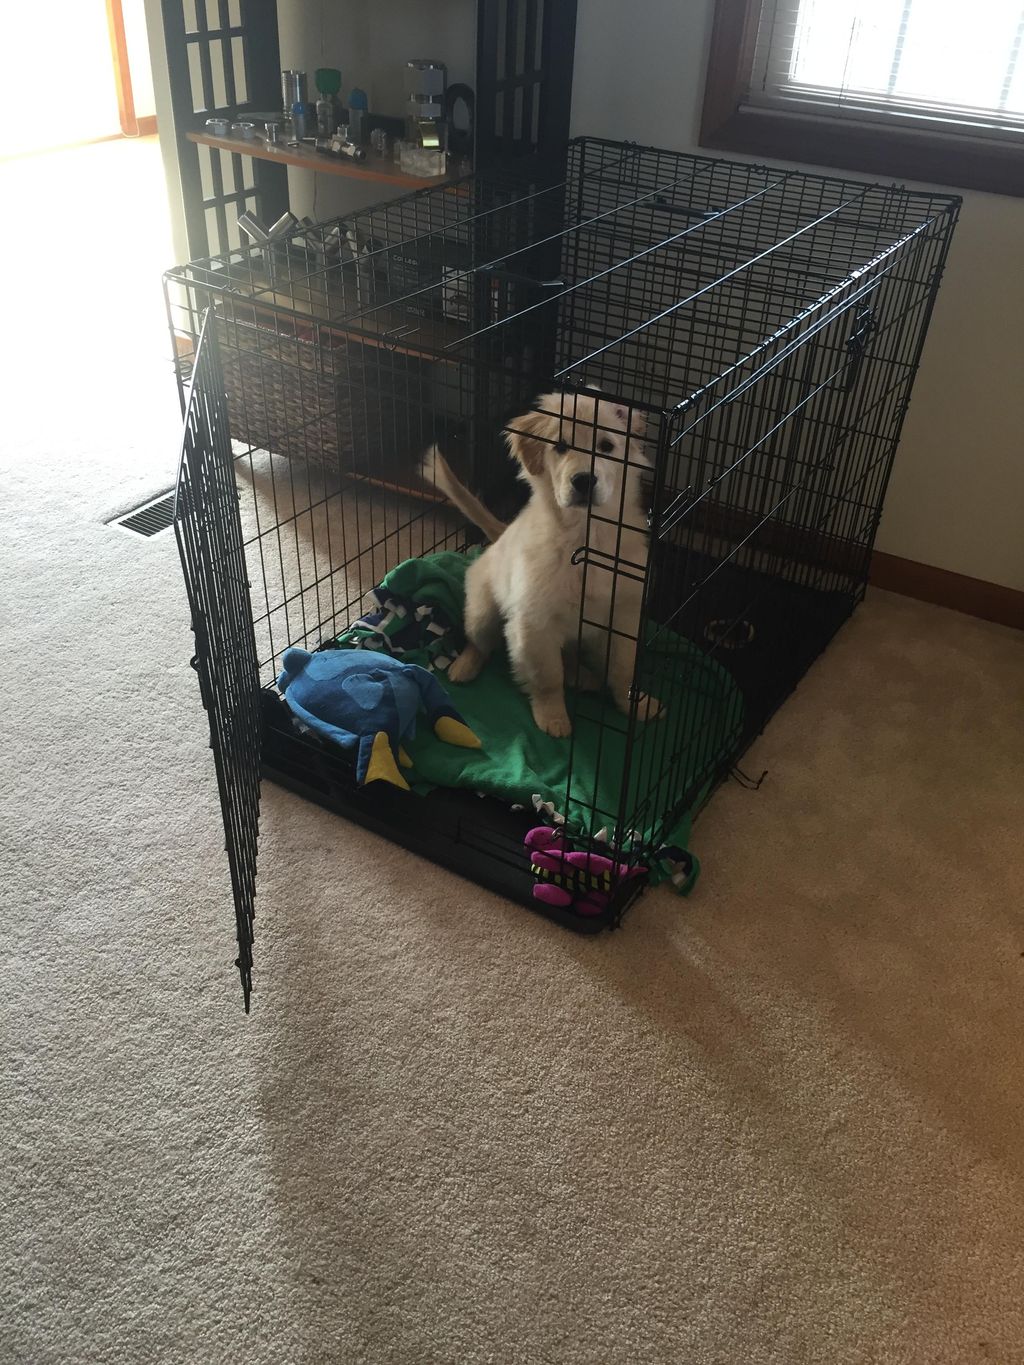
309,394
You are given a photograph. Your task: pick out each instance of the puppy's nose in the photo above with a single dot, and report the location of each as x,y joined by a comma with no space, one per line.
583,483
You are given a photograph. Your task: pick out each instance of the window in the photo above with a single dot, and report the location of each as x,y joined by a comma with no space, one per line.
914,89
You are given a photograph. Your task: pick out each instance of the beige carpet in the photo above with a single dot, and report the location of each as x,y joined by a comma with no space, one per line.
782,1122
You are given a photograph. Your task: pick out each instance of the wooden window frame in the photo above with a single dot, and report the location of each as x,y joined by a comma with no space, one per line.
131,124
961,160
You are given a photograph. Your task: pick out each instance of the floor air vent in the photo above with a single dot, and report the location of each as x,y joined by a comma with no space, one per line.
149,519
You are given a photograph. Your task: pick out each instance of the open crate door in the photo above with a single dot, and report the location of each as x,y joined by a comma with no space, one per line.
208,529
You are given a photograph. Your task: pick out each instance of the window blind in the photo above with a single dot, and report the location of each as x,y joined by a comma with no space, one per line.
950,64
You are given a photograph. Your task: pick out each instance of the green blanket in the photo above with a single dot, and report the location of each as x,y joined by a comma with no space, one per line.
582,776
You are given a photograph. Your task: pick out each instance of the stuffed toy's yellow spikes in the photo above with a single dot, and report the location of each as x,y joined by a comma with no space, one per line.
453,731
381,767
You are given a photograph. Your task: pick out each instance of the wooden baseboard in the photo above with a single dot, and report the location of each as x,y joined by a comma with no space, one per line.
926,583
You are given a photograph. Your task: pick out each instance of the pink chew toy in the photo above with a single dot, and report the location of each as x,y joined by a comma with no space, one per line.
584,881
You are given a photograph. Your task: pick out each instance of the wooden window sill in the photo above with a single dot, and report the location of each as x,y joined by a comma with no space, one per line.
893,151
961,162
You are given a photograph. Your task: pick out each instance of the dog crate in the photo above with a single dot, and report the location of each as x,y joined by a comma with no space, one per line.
763,327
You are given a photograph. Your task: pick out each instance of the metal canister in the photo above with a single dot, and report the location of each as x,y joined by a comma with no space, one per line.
293,89
425,84
285,225
253,228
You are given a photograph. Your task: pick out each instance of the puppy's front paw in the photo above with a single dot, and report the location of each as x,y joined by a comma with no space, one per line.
552,719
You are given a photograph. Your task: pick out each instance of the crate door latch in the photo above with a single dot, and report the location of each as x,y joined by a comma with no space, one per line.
857,343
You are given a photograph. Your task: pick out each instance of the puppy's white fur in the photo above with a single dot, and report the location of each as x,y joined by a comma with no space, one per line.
526,583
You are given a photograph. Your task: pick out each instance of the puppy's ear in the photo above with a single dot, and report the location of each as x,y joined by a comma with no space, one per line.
634,421
522,435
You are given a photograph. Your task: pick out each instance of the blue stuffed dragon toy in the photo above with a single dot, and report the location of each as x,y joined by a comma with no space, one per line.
369,702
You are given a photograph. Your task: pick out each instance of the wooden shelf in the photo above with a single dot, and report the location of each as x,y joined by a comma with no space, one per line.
314,301
375,168
391,329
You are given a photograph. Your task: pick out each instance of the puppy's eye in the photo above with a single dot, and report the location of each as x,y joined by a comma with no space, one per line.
606,447
561,447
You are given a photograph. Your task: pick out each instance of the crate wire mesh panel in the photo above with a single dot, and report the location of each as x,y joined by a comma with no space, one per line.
762,326
208,531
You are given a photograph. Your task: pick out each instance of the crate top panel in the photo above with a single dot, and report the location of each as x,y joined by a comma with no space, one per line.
644,272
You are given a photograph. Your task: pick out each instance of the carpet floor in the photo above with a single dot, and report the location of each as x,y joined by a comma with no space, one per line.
780,1122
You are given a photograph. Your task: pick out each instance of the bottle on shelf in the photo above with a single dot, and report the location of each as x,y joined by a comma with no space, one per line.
358,107
328,83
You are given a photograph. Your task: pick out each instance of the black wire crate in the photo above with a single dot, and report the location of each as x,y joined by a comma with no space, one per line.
700,368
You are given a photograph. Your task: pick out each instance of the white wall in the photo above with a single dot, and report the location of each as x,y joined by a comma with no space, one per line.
165,126
957,494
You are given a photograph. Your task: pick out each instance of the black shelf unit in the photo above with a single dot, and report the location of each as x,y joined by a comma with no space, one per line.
523,88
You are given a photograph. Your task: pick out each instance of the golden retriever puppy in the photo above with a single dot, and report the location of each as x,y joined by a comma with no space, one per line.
582,457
